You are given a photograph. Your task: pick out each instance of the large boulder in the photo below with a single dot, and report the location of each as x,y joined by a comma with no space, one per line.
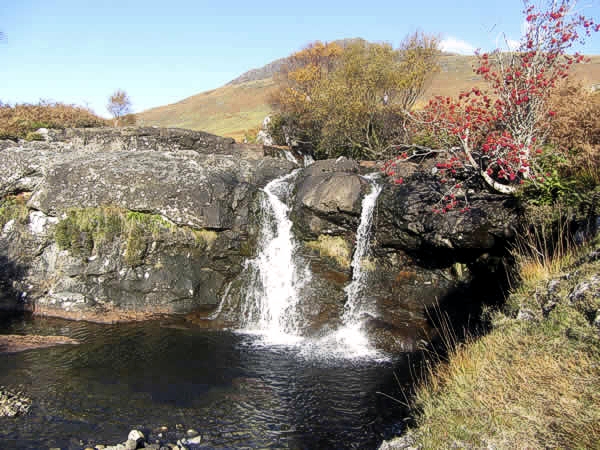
118,224
421,263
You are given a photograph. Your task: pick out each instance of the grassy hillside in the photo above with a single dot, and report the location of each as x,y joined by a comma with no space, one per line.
226,111
242,104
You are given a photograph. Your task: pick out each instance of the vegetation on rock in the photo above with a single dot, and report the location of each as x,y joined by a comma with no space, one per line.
23,120
84,230
13,207
333,247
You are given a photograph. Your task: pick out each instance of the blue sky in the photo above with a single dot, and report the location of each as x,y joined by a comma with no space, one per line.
80,51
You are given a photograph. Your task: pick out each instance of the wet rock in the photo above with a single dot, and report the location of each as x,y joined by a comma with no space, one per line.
328,197
13,403
200,187
136,435
406,220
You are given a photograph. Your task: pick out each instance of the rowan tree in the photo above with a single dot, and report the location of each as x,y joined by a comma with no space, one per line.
499,131
119,105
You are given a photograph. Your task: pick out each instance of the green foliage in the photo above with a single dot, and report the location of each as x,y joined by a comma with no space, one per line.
333,247
438,140
352,101
553,186
33,136
251,135
84,230
13,207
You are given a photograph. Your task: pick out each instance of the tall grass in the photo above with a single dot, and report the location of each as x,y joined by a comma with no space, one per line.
527,384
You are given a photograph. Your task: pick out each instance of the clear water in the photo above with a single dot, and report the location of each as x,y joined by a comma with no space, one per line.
236,391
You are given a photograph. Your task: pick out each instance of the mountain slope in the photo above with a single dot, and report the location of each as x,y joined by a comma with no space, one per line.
242,104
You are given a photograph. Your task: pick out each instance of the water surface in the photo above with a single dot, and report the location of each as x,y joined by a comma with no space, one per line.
237,392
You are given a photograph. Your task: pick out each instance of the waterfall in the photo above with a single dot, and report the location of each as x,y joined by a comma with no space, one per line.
352,309
224,300
275,279
350,340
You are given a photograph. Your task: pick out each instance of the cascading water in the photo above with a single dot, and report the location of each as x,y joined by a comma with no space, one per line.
350,338
353,308
275,280
270,307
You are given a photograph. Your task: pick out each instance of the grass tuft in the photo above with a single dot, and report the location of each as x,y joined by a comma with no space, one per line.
84,230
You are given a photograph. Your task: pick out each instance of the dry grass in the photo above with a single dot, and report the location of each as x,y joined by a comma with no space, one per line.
519,387
528,384
21,120
227,111
544,248
575,132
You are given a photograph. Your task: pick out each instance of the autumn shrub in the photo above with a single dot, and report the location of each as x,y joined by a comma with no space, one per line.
352,99
500,129
575,132
22,119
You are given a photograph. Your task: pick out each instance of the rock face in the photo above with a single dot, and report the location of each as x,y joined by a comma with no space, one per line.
422,263
118,224
105,224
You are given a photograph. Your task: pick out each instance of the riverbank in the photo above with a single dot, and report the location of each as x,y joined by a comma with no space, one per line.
534,381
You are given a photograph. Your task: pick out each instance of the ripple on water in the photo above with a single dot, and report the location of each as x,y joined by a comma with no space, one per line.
237,389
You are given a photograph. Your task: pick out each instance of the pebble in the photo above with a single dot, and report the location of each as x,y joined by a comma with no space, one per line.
137,440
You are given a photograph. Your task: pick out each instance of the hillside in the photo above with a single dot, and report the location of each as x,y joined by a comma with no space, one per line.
242,103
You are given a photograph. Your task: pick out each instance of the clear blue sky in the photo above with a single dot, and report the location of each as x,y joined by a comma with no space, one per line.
80,51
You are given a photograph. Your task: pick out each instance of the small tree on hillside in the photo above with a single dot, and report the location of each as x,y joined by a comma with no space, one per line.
119,105
499,132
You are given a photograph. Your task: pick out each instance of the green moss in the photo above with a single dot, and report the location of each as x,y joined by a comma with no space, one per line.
13,207
83,230
33,136
333,247
205,238
135,246
246,249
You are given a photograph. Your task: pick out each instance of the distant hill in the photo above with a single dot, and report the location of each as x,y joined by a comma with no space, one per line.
242,103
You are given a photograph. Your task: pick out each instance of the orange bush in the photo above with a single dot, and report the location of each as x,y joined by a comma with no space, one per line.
575,130
18,120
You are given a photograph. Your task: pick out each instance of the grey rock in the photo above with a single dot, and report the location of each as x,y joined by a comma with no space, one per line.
526,315
405,442
190,179
585,296
136,435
